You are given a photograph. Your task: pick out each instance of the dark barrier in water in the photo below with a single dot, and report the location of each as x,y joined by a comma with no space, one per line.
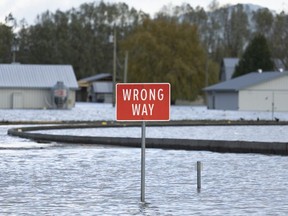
181,144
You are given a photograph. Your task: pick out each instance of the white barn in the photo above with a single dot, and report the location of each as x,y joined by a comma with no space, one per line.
37,86
267,91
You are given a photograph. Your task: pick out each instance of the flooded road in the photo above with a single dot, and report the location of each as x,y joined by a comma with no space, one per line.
82,180
57,179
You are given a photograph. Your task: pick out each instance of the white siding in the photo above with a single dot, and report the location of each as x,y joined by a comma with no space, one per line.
30,98
255,100
268,96
281,101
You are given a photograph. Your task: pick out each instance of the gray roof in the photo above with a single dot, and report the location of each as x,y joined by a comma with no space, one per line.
228,67
230,62
97,77
245,81
36,76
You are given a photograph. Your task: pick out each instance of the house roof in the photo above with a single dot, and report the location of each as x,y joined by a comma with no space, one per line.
102,76
245,81
36,76
228,67
85,82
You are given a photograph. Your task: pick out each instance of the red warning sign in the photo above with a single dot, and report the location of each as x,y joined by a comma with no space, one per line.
143,102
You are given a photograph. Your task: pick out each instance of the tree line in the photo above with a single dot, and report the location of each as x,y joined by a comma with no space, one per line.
180,44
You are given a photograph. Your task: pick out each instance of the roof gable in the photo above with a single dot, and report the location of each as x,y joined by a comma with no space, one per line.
245,81
36,76
227,68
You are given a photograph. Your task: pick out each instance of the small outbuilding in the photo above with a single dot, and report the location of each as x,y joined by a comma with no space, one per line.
97,88
27,86
256,91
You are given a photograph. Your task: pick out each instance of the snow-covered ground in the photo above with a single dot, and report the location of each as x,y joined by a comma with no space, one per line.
98,111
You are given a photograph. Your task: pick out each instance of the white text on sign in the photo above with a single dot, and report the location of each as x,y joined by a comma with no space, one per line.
143,95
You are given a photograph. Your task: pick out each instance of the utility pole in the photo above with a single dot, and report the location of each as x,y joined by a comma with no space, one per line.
114,67
207,73
126,67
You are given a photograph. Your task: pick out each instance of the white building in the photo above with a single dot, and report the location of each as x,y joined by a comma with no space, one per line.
37,86
267,91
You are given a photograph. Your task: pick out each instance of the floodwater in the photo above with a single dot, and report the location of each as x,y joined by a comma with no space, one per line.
58,179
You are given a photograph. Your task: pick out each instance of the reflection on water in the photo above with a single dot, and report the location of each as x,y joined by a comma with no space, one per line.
82,180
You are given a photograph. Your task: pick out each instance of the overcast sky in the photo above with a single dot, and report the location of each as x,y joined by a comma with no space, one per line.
29,9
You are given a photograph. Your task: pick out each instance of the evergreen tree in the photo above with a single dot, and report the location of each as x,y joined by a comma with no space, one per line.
78,36
256,56
6,38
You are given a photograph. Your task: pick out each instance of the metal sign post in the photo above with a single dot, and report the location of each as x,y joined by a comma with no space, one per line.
143,102
143,162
